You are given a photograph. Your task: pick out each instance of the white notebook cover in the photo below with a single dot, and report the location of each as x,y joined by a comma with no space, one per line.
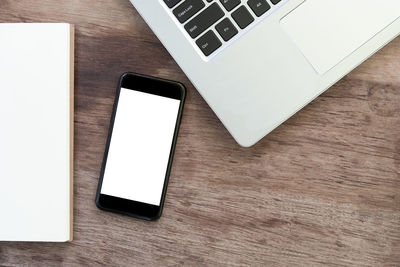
36,134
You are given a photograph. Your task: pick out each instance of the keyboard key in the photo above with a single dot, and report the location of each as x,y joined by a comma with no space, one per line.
230,4
275,1
187,9
204,20
226,29
242,17
259,7
208,43
171,3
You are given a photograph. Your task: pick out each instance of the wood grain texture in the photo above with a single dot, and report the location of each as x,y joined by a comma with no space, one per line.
322,189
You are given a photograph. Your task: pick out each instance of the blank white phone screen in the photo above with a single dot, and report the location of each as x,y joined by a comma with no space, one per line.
140,145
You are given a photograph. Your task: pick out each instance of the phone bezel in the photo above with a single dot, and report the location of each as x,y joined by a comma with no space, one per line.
151,85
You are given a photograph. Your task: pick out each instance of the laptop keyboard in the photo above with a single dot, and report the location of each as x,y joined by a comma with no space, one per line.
211,24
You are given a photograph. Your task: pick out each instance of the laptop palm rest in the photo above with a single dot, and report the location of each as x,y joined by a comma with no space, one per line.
330,30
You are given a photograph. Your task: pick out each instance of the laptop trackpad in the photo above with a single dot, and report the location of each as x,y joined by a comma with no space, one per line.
327,31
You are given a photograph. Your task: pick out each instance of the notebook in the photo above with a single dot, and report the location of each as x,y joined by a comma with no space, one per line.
36,134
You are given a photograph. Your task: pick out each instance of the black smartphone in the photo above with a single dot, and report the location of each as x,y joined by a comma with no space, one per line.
140,146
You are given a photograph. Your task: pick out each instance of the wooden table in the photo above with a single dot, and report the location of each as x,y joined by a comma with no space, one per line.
323,188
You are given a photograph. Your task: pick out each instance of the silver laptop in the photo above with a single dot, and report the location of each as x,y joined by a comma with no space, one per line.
258,62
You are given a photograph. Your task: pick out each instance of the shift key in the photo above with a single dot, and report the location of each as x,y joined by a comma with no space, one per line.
204,20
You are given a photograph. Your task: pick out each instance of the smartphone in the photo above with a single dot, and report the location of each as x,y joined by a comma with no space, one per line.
140,146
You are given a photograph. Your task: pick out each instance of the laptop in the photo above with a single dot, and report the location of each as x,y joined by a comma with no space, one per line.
258,62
